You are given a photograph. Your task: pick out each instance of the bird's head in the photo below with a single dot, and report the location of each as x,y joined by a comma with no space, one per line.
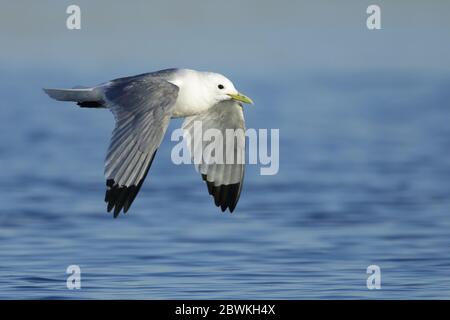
223,89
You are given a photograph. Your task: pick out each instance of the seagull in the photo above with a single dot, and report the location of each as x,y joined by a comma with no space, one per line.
142,106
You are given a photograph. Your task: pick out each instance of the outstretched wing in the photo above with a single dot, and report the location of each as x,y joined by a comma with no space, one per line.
142,106
224,173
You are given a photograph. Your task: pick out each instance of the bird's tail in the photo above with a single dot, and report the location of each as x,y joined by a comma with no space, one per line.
84,97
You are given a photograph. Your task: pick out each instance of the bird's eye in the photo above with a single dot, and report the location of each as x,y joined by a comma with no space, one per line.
220,86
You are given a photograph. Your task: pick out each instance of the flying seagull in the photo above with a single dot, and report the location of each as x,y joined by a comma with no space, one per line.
142,106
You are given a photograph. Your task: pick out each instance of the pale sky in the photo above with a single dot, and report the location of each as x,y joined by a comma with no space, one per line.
244,36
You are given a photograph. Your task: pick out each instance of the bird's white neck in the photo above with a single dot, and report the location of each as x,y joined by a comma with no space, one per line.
193,95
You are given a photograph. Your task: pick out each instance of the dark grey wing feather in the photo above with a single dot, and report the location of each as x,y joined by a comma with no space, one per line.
224,180
142,106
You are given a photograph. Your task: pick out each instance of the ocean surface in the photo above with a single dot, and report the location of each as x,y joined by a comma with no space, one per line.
364,179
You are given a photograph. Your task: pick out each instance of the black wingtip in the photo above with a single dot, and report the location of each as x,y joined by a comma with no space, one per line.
121,197
110,206
225,196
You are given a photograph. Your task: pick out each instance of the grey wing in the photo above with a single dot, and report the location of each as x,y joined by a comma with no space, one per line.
142,107
223,177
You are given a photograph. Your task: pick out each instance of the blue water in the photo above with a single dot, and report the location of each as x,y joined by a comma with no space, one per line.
364,179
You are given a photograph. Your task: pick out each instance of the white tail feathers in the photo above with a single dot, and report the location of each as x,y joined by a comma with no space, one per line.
78,94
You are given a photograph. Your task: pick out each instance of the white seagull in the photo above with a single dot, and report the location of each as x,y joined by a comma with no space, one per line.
143,106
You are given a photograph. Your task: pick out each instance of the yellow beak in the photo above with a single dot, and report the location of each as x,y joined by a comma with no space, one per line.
240,97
